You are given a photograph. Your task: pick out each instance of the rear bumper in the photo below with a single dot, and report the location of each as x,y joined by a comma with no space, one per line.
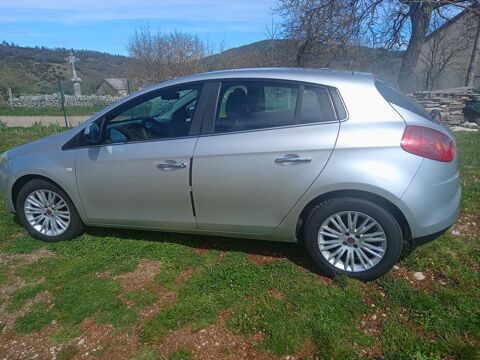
431,203
428,238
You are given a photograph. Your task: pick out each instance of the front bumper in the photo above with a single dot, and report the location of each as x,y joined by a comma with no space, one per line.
5,177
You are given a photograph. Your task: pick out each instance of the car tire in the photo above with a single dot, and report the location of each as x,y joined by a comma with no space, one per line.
47,212
374,252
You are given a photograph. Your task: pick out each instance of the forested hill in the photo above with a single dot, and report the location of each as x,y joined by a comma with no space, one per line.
36,70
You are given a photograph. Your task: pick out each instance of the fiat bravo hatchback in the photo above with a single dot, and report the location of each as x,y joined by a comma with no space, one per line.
338,161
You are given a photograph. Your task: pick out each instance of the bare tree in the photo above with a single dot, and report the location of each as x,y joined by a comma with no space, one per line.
160,56
337,25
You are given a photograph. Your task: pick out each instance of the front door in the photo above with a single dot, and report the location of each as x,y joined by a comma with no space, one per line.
139,176
269,142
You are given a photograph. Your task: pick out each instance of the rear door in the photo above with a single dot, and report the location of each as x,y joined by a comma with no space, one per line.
266,143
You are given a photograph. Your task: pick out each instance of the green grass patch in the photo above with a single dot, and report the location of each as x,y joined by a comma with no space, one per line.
22,295
283,300
181,354
65,334
145,353
24,245
34,320
140,298
66,353
3,276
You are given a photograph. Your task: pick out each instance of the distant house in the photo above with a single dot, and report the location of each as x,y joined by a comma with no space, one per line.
446,54
113,87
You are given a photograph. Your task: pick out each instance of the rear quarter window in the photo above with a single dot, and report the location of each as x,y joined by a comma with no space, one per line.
397,98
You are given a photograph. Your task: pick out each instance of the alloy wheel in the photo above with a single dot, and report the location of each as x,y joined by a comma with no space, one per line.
47,212
352,241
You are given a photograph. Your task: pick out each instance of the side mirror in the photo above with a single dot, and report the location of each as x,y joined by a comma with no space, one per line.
92,133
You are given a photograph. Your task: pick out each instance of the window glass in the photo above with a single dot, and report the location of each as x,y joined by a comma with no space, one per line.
397,98
167,115
255,105
316,106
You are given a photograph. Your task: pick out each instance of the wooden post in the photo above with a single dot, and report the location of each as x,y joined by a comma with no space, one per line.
10,97
63,102
129,87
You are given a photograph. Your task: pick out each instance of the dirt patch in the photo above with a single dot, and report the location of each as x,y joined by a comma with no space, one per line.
141,277
165,298
467,225
275,293
432,279
100,341
217,342
200,251
213,342
371,321
13,283
261,260
29,346
185,275
27,259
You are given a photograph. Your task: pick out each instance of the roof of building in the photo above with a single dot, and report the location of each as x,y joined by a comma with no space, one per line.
117,83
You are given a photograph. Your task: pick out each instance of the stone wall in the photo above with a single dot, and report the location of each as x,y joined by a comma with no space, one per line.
449,102
54,100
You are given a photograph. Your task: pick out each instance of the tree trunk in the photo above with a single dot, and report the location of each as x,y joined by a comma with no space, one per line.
301,52
420,15
472,67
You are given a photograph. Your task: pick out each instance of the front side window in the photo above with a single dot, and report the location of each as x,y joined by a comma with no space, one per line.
254,105
168,114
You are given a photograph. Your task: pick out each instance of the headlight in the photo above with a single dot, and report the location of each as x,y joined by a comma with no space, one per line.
4,157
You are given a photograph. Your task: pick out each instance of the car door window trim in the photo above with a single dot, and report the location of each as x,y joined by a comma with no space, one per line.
195,129
208,126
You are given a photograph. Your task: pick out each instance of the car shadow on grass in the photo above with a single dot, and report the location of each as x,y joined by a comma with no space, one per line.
256,248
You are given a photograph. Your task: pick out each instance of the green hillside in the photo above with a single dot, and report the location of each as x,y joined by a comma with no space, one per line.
36,70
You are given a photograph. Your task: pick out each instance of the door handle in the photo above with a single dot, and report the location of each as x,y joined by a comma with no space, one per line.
291,158
171,164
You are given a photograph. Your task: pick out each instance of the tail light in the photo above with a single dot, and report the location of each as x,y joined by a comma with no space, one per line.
428,143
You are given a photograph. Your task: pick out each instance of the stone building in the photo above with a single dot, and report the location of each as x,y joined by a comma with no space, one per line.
446,55
113,87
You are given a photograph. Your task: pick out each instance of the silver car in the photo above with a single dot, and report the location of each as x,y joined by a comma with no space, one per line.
339,161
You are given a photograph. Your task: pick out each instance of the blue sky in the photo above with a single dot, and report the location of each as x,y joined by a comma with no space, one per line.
107,25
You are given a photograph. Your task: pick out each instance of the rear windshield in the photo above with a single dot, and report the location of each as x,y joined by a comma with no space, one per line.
397,98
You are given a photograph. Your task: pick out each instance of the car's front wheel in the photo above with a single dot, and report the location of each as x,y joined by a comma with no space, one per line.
353,236
47,212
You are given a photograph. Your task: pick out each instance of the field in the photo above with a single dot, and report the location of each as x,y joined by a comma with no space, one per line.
118,294
50,111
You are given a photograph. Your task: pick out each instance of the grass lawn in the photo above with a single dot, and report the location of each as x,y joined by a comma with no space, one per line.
50,111
146,295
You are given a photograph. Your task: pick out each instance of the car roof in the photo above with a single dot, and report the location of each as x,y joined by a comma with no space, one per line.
326,77
320,76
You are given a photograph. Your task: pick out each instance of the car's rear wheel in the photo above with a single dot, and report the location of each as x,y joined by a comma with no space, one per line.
47,212
353,236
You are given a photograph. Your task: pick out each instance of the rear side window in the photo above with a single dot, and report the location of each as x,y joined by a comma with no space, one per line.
255,105
251,105
316,106
397,98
